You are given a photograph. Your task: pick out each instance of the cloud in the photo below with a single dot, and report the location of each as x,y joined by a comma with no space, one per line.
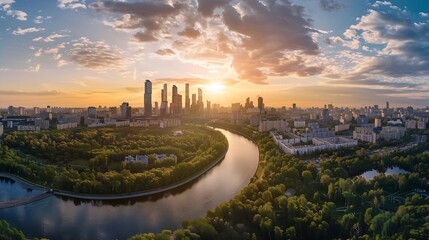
20,15
165,52
376,82
20,93
134,89
256,38
423,14
71,4
54,36
206,7
190,33
403,43
21,31
96,55
4,2
331,5
41,19
35,68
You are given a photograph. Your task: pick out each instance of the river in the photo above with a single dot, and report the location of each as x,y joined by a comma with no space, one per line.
62,218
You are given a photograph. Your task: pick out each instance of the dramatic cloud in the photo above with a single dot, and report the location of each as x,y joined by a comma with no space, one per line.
256,38
3,2
96,55
331,5
404,45
206,7
165,52
71,4
21,31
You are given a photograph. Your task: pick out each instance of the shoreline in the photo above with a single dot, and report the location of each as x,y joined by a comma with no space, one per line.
121,196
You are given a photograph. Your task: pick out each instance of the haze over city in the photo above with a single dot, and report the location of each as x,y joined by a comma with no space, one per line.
77,53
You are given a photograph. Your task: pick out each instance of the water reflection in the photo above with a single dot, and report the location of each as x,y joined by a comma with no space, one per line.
369,175
64,218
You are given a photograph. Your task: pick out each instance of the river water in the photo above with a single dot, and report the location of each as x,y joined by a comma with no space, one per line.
62,218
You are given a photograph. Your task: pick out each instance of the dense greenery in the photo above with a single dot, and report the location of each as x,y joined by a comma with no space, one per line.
91,160
7,232
334,202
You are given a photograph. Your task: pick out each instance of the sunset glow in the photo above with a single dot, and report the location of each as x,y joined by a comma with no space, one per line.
79,53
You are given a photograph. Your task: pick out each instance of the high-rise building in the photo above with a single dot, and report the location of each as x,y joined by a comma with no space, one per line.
294,106
174,107
148,98
156,108
200,102
164,93
387,105
261,104
208,107
179,104
21,111
36,110
325,115
10,110
194,103
92,112
124,110
187,99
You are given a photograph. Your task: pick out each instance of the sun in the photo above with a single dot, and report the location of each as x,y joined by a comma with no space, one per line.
215,87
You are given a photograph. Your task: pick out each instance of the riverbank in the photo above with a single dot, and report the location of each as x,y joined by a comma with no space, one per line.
59,192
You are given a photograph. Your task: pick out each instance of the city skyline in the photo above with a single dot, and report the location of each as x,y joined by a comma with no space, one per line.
333,51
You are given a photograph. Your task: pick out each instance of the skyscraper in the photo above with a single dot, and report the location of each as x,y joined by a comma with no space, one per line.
174,102
187,99
387,105
200,102
164,93
261,104
194,103
148,98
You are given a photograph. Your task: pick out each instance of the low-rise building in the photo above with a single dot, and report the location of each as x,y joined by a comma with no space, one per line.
1,130
268,125
28,128
411,124
61,126
421,125
303,145
170,122
299,124
365,135
342,127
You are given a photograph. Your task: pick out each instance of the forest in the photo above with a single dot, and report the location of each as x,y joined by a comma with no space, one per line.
296,200
91,160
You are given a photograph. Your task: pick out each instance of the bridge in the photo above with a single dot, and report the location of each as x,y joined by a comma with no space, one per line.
24,201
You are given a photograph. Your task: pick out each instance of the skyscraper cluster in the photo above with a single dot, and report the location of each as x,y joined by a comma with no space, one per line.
175,108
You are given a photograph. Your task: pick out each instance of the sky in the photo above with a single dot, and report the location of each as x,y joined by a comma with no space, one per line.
77,53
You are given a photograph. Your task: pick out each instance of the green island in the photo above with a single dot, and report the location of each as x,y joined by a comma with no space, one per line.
293,199
92,161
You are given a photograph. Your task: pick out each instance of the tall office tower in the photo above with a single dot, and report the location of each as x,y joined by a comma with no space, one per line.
21,111
148,98
48,109
261,104
325,115
124,108
387,105
179,104
187,99
294,106
156,108
174,108
208,107
10,110
200,104
194,103
164,93
36,110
